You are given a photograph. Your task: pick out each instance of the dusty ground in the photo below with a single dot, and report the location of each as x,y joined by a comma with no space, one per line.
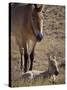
53,42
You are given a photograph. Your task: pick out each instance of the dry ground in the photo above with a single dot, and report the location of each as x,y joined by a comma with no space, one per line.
53,42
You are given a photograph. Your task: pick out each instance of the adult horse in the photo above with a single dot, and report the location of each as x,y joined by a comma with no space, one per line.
27,25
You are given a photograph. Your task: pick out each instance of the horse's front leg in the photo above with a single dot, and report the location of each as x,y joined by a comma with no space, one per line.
30,52
22,59
31,59
28,62
25,61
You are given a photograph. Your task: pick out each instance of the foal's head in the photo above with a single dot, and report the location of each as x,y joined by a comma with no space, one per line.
37,21
53,66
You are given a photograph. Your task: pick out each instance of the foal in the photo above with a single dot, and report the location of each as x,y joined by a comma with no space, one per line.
53,69
51,73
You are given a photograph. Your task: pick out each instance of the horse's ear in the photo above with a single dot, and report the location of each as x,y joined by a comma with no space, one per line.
38,7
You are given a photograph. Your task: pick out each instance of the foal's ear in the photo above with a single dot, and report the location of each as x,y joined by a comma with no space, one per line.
38,7
54,57
50,58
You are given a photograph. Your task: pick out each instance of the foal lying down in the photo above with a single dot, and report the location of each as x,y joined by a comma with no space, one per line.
51,73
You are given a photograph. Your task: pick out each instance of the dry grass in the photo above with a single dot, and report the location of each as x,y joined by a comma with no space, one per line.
53,42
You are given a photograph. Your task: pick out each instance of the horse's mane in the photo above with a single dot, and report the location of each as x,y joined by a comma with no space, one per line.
14,5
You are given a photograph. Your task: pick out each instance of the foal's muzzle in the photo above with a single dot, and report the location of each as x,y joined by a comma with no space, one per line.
39,36
56,73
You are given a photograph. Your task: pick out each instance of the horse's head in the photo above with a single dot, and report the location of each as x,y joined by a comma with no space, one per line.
37,21
53,66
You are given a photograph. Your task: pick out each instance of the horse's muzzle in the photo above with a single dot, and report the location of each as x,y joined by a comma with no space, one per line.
39,36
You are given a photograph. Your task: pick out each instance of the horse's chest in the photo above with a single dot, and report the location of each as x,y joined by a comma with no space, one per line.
30,45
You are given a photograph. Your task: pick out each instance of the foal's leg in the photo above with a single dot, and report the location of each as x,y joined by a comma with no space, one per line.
31,58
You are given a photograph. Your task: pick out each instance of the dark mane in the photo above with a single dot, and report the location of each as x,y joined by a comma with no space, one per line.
18,4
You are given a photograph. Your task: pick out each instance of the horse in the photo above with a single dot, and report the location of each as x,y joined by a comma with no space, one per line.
27,25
